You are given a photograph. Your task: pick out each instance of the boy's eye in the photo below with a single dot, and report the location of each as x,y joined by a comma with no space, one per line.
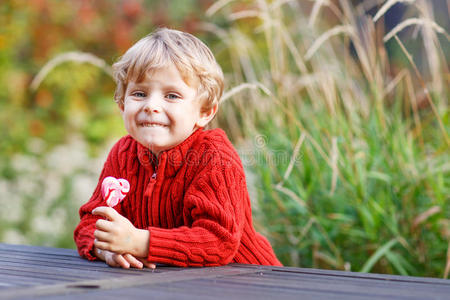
172,96
138,94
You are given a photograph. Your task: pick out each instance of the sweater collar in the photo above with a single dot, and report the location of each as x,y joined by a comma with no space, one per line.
169,161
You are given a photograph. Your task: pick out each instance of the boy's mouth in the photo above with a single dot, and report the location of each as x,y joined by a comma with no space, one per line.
152,124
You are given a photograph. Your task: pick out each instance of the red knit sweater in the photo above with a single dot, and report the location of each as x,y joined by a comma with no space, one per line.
193,199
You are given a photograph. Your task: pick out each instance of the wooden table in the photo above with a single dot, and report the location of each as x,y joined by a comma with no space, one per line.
50,273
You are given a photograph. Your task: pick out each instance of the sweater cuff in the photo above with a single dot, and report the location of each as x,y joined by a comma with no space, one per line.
164,249
85,243
185,247
89,254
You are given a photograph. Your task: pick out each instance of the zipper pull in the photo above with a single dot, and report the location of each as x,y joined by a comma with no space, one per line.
150,157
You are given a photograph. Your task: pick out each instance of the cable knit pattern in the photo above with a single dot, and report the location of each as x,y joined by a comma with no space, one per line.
193,199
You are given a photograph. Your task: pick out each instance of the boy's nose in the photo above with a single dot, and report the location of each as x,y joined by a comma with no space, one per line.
152,105
148,109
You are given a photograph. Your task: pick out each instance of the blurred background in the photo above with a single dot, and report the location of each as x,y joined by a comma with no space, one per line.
338,109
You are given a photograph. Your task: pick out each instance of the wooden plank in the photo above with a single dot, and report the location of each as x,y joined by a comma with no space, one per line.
185,290
18,280
62,264
218,289
5,254
50,274
243,286
45,273
335,286
396,278
94,266
123,282
26,268
279,276
71,274
230,286
38,249
223,289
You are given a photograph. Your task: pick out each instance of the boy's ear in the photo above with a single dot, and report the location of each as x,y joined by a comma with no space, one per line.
207,115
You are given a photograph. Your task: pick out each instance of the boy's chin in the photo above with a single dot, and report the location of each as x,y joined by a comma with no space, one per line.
156,147
158,142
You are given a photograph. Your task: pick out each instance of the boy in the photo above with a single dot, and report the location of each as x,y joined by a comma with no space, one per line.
188,203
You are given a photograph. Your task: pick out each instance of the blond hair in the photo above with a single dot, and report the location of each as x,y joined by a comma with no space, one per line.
192,58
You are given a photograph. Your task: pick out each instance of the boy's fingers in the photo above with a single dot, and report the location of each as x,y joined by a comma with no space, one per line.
133,261
101,236
101,245
103,225
150,265
112,263
147,264
121,261
105,211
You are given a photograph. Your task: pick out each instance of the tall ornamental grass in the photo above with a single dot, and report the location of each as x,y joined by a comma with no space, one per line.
343,130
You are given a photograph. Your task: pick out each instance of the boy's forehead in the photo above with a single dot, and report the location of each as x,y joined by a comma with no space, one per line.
146,74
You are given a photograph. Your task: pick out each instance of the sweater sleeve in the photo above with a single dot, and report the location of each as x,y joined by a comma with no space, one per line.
214,211
84,232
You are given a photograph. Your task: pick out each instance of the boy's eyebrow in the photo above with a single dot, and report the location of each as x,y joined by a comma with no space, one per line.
172,87
165,86
136,84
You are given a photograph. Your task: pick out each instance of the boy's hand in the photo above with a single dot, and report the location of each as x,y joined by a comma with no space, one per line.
125,261
118,235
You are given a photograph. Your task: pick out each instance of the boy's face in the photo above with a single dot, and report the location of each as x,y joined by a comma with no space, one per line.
162,111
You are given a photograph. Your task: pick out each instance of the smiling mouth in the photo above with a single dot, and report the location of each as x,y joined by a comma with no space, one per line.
146,124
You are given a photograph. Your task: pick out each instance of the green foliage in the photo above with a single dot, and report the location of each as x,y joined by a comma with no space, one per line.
55,136
367,188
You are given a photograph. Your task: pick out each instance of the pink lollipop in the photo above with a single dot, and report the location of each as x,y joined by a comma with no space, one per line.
114,190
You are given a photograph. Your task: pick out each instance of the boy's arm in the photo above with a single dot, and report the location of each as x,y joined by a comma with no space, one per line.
214,206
